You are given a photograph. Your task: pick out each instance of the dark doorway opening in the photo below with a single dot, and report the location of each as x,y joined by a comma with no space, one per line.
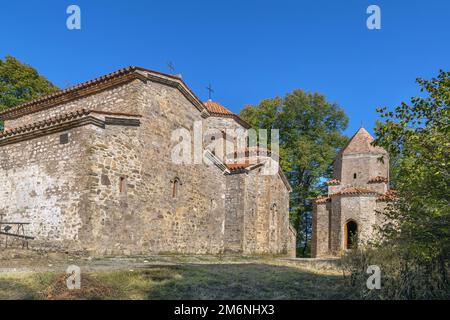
351,234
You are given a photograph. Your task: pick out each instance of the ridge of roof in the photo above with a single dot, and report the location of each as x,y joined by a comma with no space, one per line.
378,179
354,190
98,84
56,120
322,199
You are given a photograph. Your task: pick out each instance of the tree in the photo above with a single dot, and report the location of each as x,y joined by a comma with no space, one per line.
418,136
310,137
413,251
20,83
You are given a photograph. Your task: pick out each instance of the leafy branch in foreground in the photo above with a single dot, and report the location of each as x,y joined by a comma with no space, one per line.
414,250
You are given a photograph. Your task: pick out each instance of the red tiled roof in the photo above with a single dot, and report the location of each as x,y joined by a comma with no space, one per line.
110,80
322,199
391,194
356,190
333,182
216,109
361,142
57,120
237,166
378,179
45,123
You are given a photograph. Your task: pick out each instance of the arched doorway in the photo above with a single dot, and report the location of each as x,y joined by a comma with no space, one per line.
351,234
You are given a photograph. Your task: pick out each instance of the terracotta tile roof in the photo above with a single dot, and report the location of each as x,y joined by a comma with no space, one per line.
391,194
361,142
58,120
378,179
110,80
44,123
216,109
237,166
322,199
355,190
333,182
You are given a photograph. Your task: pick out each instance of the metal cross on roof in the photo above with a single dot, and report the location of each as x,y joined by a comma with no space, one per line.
210,91
171,67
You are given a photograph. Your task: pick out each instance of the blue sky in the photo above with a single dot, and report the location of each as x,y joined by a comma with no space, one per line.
248,50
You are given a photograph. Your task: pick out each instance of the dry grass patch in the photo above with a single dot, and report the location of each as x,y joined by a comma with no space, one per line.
197,279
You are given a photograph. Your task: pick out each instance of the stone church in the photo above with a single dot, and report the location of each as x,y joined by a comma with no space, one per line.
90,169
357,195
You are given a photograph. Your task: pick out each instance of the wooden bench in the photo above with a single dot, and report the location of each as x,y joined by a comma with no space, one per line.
18,234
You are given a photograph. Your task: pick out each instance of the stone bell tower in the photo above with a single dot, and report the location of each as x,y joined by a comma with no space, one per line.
345,217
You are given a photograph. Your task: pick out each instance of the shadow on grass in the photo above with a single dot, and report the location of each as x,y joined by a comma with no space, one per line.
14,290
242,281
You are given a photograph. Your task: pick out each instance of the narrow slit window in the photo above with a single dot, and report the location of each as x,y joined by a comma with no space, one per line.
175,189
354,176
122,184
176,183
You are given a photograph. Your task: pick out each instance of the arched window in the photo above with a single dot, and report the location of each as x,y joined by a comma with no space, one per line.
351,234
176,183
354,176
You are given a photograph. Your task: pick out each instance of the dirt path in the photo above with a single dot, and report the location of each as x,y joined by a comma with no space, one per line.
12,260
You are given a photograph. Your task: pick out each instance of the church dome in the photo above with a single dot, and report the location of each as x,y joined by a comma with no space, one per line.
216,108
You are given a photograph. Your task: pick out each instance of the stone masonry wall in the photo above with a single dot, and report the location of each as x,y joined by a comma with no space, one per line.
110,191
335,225
266,220
365,166
117,99
360,209
146,217
43,183
321,230
234,213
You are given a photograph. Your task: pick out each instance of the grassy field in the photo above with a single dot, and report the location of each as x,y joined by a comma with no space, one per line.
262,279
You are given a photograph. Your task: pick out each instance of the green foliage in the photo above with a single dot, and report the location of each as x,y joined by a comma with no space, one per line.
402,276
20,83
414,250
418,136
310,137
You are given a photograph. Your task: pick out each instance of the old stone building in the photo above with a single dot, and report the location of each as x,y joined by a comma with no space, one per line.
345,217
90,168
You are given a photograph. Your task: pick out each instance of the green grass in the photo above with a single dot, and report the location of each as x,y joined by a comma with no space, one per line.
260,280
24,286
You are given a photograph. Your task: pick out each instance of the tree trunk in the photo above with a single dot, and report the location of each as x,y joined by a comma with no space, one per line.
305,245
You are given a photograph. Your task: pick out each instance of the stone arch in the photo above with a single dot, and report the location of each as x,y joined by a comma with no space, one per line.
350,234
